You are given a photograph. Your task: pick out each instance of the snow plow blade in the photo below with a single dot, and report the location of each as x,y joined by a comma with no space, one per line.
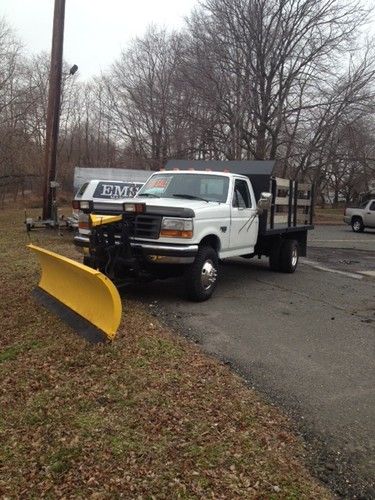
83,297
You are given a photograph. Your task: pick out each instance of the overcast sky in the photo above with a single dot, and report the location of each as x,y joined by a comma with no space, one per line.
95,30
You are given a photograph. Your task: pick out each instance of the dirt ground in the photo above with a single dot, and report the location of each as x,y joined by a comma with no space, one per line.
328,216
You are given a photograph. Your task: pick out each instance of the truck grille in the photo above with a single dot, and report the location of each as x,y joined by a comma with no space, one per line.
146,226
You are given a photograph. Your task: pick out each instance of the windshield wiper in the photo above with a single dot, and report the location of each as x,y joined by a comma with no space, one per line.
190,197
148,194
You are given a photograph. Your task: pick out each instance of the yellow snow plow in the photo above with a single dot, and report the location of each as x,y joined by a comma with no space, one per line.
83,297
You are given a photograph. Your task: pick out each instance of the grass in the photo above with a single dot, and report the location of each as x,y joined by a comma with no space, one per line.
330,216
13,351
148,416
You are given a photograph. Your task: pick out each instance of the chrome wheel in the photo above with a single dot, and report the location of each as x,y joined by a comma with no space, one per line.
202,276
289,254
208,274
294,256
357,225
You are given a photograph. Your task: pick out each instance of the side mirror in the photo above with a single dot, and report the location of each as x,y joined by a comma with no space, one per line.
264,202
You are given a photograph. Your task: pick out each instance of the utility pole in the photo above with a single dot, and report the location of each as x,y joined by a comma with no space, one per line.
53,110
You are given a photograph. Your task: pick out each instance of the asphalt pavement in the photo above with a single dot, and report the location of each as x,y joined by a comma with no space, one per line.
342,236
338,248
304,340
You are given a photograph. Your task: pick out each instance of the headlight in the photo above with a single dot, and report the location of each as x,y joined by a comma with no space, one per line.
138,208
84,205
176,228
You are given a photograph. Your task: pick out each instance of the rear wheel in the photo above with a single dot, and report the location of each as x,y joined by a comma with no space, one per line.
289,256
201,276
357,225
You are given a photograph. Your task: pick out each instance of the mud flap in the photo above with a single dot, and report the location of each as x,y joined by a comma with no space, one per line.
83,297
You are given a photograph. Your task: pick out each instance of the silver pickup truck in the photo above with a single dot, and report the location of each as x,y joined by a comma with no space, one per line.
362,217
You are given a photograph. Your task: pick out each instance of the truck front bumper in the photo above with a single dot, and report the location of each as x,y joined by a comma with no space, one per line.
158,253
347,219
163,253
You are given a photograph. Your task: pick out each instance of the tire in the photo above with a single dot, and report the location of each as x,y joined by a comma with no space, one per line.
274,258
289,256
357,225
201,276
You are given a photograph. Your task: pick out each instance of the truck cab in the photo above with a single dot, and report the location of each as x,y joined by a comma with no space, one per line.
217,206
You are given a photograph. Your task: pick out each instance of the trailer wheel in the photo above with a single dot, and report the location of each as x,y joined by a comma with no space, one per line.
201,275
289,256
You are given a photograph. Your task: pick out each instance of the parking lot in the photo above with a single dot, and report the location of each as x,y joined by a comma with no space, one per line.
305,341
347,251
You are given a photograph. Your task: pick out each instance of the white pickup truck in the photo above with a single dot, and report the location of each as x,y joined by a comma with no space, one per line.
361,217
184,220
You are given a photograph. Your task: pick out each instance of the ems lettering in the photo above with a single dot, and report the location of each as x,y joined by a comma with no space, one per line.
120,192
107,190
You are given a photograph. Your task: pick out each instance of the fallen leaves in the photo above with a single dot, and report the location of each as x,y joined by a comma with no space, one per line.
148,416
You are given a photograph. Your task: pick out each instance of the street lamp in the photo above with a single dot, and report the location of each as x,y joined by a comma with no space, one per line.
73,70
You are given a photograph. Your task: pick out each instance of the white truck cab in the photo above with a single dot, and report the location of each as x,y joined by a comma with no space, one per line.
222,207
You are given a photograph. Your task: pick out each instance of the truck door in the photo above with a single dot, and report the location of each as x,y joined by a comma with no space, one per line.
369,214
244,218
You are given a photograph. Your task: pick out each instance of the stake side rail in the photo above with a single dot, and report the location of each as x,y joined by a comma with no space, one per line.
292,207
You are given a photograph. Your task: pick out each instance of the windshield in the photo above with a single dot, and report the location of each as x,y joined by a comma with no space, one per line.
189,186
82,189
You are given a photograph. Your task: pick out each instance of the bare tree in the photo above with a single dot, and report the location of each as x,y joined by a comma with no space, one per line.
246,79
279,78
145,101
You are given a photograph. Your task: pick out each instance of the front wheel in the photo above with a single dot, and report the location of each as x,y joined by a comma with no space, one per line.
289,256
201,276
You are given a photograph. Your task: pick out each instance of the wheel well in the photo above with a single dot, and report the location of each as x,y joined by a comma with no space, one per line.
212,241
359,217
